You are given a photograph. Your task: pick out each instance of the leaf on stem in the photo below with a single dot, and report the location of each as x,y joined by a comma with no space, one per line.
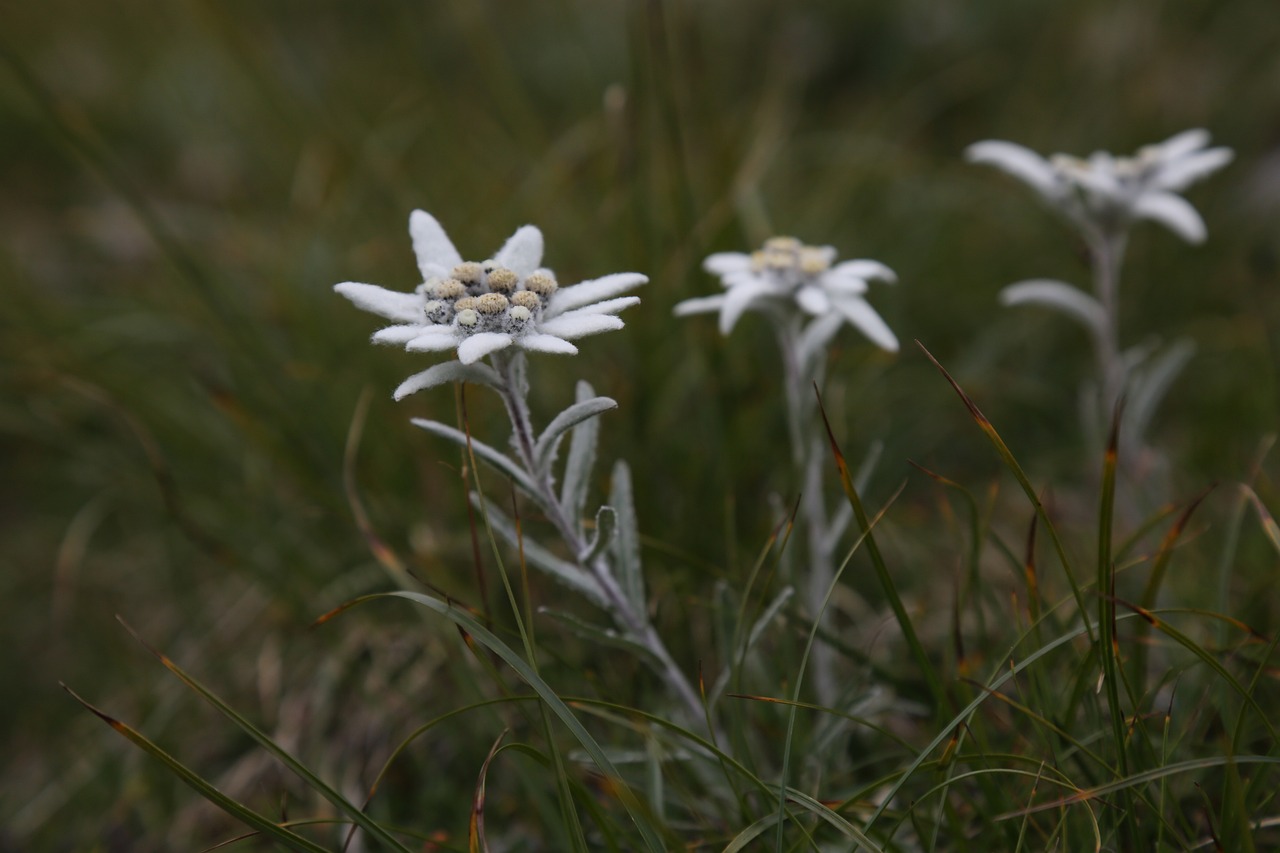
544,450
538,556
1061,297
625,546
489,454
602,536
582,459
449,371
815,337
1151,382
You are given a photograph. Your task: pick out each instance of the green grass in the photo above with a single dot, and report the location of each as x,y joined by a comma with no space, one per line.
184,182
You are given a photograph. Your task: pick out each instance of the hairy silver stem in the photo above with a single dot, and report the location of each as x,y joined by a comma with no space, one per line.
631,619
808,456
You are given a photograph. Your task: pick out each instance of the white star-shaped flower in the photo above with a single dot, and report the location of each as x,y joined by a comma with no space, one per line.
787,275
482,308
1111,191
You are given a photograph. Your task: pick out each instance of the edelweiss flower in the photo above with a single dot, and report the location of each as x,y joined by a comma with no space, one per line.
481,308
1111,191
786,274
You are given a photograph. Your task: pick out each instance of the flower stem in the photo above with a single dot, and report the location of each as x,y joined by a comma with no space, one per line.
1106,252
807,456
633,620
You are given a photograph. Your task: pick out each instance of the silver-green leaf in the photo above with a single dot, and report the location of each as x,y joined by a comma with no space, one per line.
544,451
582,459
498,460
540,558
449,371
1061,297
625,548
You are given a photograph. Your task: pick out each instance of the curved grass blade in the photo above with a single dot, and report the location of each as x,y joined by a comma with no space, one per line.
1165,552
366,823
1199,651
385,556
825,813
554,703
945,733
475,830
1108,643
245,815
1021,476
562,570
1142,778
882,569
867,526
1156,577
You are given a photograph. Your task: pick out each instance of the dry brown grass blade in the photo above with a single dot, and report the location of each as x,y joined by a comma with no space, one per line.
476,841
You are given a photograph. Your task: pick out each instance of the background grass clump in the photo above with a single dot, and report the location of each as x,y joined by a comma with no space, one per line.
185,181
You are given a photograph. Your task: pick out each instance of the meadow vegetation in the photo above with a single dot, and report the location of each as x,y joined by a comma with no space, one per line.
197,440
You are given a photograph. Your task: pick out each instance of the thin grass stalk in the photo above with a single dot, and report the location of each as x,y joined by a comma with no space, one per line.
882,570
1108,644
810,644
1025,482
1155,578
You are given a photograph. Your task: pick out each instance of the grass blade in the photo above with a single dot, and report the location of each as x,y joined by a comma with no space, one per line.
882,570
370,826
554,703
245,815
1021,476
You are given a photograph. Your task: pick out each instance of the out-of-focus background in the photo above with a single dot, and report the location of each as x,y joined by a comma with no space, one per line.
183,183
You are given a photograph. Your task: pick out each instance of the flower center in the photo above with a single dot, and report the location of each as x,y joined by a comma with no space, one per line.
487,298
788,263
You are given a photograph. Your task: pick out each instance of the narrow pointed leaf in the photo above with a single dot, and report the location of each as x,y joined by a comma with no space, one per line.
431,244
1061,297
602,536
581,461
1020,475
539,557
1173,212
625,547
401,307
1148,388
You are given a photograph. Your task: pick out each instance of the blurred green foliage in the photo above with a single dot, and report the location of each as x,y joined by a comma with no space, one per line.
184,181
